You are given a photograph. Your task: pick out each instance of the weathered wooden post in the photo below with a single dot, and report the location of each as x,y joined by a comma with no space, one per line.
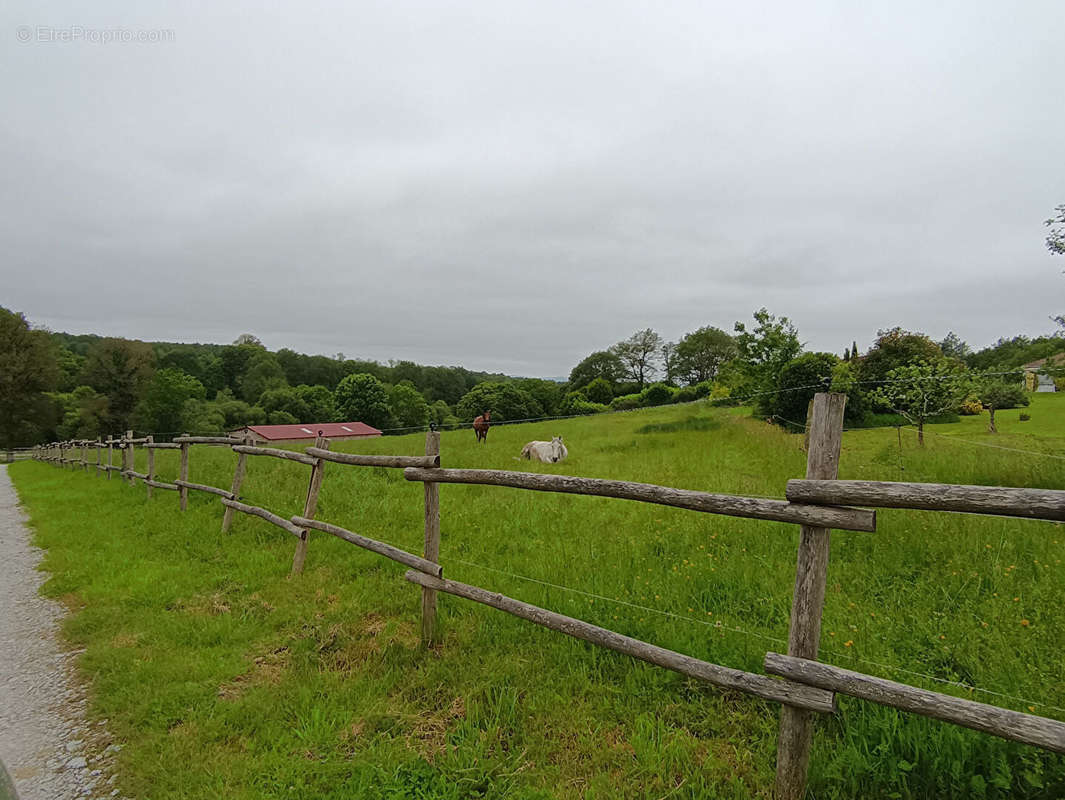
183,491
84,455
238,479
110,455
99,444
310,505
130,456
811,572
432,541
151,465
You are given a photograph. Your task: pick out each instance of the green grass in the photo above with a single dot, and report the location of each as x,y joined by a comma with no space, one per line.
225,677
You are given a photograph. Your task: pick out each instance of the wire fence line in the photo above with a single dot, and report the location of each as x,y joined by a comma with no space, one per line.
719,625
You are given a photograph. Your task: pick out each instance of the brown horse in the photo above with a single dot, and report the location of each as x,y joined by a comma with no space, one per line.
481,425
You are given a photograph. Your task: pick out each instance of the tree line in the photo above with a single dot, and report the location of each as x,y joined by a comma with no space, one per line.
63,386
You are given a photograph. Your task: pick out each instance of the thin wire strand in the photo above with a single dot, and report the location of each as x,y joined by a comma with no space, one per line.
721,626
957,440
648,609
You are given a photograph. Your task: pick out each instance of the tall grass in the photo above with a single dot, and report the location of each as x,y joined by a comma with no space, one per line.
226,677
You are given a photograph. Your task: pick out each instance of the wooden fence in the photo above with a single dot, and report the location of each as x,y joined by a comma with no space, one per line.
818,503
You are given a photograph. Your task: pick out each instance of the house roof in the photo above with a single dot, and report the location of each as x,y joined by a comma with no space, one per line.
1057,358
309,430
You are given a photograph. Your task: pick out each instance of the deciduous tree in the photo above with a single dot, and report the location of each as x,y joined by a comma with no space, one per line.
120,369
27,370
699,355
922,390
362,398
639,355
600,364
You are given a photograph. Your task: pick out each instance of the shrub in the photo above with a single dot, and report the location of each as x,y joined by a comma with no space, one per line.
626,402
1024,417
971,406
581,406
657,394
599,391
569,401
686,395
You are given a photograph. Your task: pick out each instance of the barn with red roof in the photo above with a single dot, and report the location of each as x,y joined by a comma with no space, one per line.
306,433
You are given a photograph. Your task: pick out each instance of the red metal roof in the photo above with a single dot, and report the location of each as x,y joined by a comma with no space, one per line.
309,430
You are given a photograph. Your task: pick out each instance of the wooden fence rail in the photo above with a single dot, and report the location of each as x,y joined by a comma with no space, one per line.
1048,504
851,519
1026,728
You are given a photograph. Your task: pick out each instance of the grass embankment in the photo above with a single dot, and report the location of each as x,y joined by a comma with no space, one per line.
226,678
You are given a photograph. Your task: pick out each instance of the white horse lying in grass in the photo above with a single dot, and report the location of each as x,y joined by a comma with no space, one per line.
549,452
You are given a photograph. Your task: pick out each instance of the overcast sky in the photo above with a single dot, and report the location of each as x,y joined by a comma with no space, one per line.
510,186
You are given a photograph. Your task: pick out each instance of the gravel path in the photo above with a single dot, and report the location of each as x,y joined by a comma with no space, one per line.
48,747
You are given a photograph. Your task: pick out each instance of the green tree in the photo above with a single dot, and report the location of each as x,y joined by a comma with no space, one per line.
699,355
236,413
362,398
235,359
810,371
161,408
763,352
548,394
84,414
922,390
600,364
504,400
205,417
318,401
897,348
288,400
440,413
281,417
445,383
997,392
120,369
599,391
71,365
1056,236
953,347
28,369
639,355
263,373
408,406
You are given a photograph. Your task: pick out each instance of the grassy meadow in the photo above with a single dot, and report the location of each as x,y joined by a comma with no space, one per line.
224,677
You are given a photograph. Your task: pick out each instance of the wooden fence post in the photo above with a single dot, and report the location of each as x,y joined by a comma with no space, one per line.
84,456
811,573
151,466
183,491
310,505
110,455
129,455
238,479
432,541
99,444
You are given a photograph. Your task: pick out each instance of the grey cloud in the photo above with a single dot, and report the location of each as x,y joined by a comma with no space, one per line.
510,186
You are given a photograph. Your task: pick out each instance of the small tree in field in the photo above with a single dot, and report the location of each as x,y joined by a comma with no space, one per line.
639,355
995,393
922,390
